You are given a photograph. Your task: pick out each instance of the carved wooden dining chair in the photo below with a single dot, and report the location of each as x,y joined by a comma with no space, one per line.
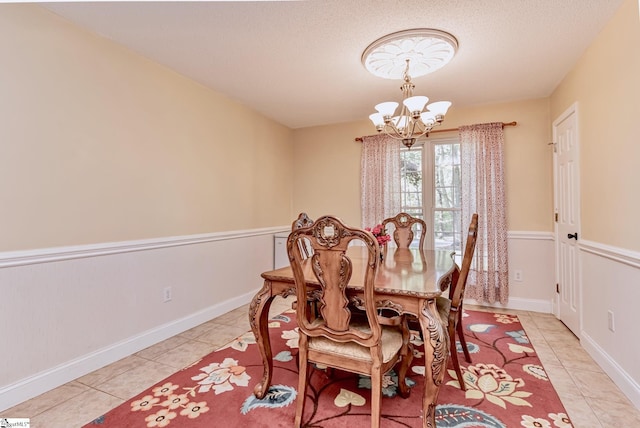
403,233
335,339
451,309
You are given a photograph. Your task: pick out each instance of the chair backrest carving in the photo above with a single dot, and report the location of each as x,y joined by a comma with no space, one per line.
403,233
328,272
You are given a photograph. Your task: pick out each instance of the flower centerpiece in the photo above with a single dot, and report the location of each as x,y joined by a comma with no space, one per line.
380,234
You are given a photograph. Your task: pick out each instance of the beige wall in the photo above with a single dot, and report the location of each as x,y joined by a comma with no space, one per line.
328,161
98,144
80,163
605,83
327,170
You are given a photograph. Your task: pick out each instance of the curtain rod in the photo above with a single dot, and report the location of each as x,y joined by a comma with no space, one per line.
514,123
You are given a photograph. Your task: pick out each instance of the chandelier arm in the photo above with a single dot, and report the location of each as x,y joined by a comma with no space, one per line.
393,131
412,134
422,129
404,115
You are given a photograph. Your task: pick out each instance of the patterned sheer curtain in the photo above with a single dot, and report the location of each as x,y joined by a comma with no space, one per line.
380,179
482,165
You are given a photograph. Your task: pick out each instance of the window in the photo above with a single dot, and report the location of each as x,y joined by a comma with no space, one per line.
411,185
430,189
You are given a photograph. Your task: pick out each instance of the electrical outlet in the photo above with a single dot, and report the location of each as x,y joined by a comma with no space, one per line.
610,321
166,294
517,275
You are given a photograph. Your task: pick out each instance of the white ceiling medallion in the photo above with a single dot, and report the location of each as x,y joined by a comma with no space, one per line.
426,49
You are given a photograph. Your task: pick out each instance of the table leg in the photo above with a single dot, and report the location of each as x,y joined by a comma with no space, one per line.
259,320
436,352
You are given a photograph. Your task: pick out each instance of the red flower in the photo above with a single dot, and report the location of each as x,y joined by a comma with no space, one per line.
380,234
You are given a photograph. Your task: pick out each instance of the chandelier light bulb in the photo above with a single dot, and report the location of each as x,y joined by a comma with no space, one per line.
440,107
416,104
428,118
377,120
387,108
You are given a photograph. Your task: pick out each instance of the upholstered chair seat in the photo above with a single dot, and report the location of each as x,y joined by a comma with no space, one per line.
391,344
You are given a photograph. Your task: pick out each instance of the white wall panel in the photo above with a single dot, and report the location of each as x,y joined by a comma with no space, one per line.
611,282
531,253
69,311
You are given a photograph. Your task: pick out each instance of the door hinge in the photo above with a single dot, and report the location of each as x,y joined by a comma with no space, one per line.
557,288
556,216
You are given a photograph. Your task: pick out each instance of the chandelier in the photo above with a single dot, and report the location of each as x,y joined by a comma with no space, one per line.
399,55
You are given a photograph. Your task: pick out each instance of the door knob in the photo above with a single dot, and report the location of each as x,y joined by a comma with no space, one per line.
573,235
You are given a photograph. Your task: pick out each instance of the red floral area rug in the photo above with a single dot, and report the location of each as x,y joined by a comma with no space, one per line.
506,387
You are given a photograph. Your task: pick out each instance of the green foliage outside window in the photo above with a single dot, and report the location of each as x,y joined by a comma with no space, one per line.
445,182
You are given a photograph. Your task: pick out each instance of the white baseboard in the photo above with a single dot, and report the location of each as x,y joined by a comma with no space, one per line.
621,378
533,305
39,383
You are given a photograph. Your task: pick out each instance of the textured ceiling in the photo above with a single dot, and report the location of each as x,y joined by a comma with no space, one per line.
298,62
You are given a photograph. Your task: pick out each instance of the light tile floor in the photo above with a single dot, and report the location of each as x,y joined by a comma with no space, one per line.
592,400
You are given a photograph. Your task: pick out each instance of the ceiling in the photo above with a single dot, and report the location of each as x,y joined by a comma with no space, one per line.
298,62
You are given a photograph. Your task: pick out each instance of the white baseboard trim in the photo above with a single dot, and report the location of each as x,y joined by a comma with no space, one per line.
625,382
39,383
533,305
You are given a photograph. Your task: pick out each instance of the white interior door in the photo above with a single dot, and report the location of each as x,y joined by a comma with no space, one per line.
567,206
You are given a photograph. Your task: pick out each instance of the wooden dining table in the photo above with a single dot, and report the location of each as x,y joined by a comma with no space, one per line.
408,281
